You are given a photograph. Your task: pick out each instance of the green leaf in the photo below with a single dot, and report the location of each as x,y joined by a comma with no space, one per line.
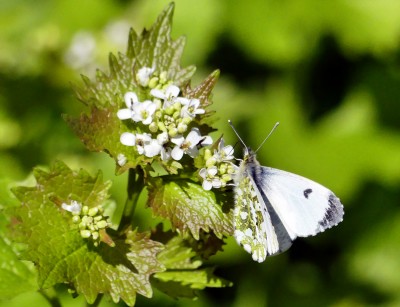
15,276
189,207
184,275
61,255
155,48
100,131
198,279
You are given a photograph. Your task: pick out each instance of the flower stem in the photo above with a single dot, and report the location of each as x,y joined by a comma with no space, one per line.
135,187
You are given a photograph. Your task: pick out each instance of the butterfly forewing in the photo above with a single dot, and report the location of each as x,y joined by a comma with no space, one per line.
304,206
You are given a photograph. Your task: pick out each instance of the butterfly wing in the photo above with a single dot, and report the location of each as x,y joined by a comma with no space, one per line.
257,227
304,207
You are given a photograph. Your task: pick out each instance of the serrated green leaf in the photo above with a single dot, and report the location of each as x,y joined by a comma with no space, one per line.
178,255
197,279
189,207
184,274
100,131
61,255
15,276
65,184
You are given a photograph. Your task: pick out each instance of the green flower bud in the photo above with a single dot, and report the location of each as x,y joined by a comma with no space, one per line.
187,120
170,110
207,154
95,235
85,210
161,126
222,168
182,128
231,169
153,82
163,77
173,132
76,219
226,177
153,127
85,233
176,115
93,211
102,224
177,106
211,162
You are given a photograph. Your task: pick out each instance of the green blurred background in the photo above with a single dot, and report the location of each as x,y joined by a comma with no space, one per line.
328,71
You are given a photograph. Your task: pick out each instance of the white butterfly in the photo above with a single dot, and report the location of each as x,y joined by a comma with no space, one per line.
274,207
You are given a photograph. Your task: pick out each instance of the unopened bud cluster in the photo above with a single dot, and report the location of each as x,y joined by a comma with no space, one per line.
89,220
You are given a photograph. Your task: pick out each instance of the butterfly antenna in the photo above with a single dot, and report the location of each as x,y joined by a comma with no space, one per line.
237,134
269,134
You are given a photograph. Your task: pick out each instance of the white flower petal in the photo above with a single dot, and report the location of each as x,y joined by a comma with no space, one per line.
203,173
177,153
178,140
193,137
216,183
162,138
157,93
212,171
207,185
165,153
121,159
152,149
124,114
207,140
128,139
144,74
172,91
192,152
74,207
182,100
130,99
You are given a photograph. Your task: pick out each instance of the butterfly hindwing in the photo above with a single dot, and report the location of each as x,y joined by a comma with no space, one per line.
304,206
257,227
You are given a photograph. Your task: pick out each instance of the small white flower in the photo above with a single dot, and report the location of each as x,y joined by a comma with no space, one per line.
224,153
142,140
121,159
189,144
165,153
144,74
131,100
191,109
143,112
128,139
152,148
210,180
162,138
168,95
74,207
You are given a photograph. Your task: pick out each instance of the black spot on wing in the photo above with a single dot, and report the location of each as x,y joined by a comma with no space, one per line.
307,192
334,213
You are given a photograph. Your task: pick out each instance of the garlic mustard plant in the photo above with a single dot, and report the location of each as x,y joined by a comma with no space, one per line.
159,129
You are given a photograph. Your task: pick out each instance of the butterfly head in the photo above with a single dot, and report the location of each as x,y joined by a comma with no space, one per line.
249,155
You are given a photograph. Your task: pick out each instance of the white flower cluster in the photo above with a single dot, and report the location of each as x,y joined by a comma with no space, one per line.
165,116
90,220
219,168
